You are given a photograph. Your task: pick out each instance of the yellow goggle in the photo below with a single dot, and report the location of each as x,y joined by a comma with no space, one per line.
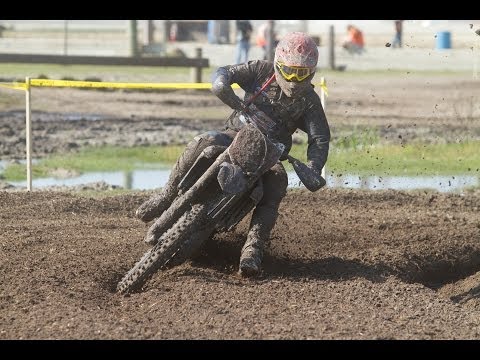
293,73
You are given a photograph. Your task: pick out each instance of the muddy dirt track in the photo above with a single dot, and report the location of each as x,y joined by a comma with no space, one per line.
343,264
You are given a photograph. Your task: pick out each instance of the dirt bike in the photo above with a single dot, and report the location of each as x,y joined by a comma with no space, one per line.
218,191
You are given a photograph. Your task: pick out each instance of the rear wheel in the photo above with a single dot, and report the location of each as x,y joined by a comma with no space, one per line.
174,247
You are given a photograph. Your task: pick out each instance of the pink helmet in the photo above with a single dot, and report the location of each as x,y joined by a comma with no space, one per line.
297,49
296,58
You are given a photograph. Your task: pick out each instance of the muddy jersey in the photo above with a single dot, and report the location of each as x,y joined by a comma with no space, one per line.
304,113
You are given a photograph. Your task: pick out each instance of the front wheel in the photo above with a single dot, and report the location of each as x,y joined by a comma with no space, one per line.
174,247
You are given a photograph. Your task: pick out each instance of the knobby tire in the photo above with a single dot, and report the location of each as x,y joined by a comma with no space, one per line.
173,248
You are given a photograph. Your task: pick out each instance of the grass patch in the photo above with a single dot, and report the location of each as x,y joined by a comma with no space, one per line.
409,160
358,139
100,159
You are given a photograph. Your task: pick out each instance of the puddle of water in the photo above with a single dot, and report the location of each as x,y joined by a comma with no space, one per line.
441,183
152,179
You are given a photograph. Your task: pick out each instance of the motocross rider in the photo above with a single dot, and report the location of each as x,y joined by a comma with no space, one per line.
288,96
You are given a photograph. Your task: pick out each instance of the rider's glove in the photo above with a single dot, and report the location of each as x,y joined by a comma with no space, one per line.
237,104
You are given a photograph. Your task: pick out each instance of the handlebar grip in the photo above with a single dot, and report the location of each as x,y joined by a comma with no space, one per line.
307,176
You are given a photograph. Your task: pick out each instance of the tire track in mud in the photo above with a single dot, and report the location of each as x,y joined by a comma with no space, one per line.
341,264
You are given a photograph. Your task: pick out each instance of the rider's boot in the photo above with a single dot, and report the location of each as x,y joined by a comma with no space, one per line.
262,223
275,183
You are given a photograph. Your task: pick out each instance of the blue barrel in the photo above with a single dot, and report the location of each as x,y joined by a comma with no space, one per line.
443,40
212,32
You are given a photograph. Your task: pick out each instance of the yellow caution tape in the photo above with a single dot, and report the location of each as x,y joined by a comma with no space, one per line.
118,85
122,85
14,85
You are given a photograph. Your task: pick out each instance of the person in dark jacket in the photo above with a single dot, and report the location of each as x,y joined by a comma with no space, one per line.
244,33
288,97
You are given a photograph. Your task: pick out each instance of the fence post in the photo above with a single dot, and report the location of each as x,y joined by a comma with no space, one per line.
196,72
475,52
148,34
331,48
322,100
28,131
133,38
270,46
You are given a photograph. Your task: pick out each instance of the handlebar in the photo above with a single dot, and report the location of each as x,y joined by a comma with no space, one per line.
307,176
265,124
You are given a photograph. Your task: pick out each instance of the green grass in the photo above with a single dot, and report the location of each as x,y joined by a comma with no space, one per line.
358,138
394,160
410,160
362,159
100,159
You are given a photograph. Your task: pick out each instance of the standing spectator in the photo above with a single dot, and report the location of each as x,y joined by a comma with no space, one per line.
397,40
354,42
173,33
261,39
244,32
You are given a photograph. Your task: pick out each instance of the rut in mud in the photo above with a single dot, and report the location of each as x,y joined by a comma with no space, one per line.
342,264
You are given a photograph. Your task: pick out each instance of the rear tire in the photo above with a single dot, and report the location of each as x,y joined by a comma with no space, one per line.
174,247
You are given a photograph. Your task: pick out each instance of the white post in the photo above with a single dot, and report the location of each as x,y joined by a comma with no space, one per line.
475,54
28,134
475,62
322,99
